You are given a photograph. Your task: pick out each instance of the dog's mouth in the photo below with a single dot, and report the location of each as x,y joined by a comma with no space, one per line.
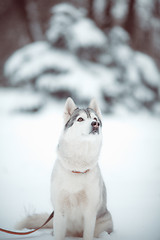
94,130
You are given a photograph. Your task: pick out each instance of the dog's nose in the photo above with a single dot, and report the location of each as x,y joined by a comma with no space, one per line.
95,124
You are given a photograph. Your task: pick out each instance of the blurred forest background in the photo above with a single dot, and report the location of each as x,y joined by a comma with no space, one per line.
106,49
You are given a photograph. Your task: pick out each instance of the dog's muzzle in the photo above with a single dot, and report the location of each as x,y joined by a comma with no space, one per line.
95,127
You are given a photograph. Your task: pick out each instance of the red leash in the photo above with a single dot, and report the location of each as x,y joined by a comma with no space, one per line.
25,233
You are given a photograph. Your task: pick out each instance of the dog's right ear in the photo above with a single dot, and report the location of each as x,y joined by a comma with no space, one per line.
94,105
69,108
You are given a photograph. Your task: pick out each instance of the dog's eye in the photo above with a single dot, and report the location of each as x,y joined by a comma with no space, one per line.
80,119
95,118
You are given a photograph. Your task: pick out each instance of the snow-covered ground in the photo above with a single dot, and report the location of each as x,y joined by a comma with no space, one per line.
130,164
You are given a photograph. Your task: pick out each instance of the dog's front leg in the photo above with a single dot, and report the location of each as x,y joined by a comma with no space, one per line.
89,226
59,226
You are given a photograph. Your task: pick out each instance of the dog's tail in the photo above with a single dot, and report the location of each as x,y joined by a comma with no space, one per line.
34,221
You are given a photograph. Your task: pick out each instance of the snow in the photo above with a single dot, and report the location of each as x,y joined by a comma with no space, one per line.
119,9
69,25
95,38
35,59
144,9
68,9
143,94
130,164
104,62
24,55
147,67
61,71
118,36
99,7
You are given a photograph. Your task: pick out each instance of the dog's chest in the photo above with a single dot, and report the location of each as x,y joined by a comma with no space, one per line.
71,200
76,190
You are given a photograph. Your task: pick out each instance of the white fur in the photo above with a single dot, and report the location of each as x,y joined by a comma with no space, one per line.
34,221
93,104
68,109
79,200
76,197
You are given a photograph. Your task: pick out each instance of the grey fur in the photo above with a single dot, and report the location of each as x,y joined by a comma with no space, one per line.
77,112
73,117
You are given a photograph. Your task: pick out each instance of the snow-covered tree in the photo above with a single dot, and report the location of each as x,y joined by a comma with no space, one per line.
81,61
70,29
140,18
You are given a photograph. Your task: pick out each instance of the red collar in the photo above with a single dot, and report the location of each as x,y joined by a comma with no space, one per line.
81,172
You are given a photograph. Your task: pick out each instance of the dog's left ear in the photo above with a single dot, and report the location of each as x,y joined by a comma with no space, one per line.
69,108
94,105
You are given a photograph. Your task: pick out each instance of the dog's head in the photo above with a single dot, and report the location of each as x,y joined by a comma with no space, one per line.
82,122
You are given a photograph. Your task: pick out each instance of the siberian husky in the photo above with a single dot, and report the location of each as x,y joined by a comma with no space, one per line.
78,192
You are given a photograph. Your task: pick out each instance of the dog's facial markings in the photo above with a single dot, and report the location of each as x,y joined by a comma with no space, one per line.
72,119
96,118
92,114
87,111
87,118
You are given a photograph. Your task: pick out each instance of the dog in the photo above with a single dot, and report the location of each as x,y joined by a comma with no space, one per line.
78,192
